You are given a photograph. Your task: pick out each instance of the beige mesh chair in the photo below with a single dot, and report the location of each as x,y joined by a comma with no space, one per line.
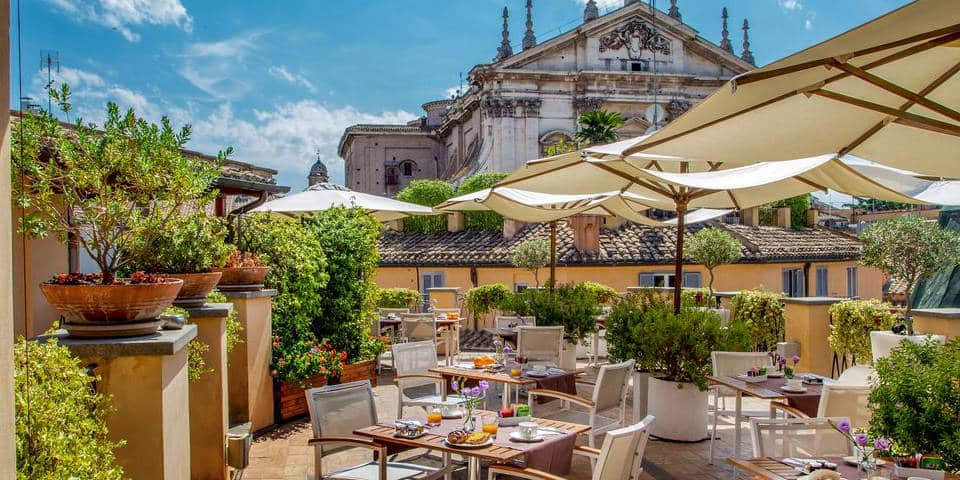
798,437
619,458
503,322
419,327
335,412
847,401
609,392
731,364
448,336
540,344
416,386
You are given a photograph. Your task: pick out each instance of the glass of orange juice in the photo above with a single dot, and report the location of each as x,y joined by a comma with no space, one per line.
515,371
434,416
490,424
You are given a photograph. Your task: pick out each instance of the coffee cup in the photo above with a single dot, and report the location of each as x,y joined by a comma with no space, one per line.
528,430
539,369
794,383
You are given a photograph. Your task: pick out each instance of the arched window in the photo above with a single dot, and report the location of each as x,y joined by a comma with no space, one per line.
408,167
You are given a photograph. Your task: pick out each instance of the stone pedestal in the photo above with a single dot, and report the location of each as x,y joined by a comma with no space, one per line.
250,384
147,379
208,395
940,321
443,297
808,323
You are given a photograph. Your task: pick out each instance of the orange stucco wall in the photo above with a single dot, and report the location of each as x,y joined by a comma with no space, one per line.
728,277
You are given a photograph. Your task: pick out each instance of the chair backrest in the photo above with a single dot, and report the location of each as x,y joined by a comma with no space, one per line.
512,322
851,401
396,311
857,375
622,452
540,344
414,358
339,410
611,388
442,312
737,363
798,437
418,327
882,342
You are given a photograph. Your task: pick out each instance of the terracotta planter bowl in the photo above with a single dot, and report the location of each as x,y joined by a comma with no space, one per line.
242,275
196,287
111,310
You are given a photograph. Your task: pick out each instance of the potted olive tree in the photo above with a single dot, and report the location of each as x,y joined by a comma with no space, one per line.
188,249
713,247
102,188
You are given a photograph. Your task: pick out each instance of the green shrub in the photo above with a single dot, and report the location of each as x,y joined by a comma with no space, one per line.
712,247
763,313
532,255
398,298
626,327
798,210
916,399
60,426
428,193
696,297
487,298
602,293
485,221
572,306
348,237
192,243
851,324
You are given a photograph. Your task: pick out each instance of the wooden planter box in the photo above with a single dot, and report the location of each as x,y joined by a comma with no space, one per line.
289,399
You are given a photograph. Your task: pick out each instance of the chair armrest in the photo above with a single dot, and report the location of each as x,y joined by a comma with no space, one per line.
560,395
418,375
787,410
586,451
356,441
527,473
587,382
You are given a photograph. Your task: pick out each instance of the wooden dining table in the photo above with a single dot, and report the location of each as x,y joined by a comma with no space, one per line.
501,451
773,468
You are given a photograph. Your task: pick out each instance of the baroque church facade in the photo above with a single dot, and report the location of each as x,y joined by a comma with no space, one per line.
645,64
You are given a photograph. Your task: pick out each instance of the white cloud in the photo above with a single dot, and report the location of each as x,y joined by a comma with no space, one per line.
452,92
605,4
808,23
791,5
123,15
217,68
281,72
287,137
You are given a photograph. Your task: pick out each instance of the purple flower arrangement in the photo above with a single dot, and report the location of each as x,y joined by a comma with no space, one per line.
862,443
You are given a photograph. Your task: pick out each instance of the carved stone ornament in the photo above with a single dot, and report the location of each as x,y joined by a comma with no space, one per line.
676,108
531,106
587,104
636,36
500,107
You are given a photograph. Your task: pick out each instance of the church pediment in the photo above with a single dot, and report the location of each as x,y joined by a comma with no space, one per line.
634,37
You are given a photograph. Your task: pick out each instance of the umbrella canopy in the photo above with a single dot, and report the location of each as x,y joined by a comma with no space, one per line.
887,91
937,192
324,196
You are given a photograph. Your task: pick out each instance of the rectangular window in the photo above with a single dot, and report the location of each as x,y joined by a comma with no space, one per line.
692,280
430,280
793,282
520,286
851,282
822,286
664,279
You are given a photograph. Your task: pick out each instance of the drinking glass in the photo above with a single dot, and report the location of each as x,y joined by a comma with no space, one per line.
434,416
490,424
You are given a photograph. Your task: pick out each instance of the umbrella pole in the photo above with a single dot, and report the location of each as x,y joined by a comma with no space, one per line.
553,254
678,266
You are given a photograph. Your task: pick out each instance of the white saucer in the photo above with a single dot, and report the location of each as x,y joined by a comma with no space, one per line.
793,390
516,437
531,373
774,374
469,446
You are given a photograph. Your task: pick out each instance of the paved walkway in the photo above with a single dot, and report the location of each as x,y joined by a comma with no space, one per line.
283,454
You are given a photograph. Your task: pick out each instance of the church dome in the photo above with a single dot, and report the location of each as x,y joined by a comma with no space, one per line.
318,173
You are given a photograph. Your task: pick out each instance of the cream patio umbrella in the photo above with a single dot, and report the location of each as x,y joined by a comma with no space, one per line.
682,185
887,91
324,196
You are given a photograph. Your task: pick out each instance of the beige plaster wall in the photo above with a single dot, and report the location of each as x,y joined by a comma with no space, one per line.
208,403
249,382
7,452
35,261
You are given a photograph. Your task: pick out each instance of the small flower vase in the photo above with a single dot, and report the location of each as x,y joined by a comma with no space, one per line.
788,372
469,422
867,465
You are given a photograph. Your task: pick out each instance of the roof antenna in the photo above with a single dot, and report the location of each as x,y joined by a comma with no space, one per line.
49,61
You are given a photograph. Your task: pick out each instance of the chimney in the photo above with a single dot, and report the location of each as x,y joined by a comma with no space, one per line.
586,232
511,227
455,222
750,216
813,217
781,217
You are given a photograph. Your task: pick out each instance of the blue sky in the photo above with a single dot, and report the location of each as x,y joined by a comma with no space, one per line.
280,80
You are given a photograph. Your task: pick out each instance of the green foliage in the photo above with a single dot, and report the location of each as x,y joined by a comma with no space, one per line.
916,399
348,237
798,209
572,306
560,148
851,324
372,347
910,248
532,255
398,298
120,182
192,243
713,247
602,293
599,126
297,271
60,426
874,205
299,361
626,327
696,297
763,313
429,193
485,221
486,298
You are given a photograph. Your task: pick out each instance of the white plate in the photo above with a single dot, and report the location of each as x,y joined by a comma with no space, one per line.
852,460
469,446
531,373
793,390
775,374
516,437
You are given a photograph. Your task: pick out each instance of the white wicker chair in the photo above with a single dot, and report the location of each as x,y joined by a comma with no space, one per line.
540,344
619,458
416,386
731,364
418,327
335,412
798,437
609,392
514,322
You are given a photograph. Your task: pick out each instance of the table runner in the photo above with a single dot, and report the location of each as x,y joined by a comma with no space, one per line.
849,471
563,383
807,402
